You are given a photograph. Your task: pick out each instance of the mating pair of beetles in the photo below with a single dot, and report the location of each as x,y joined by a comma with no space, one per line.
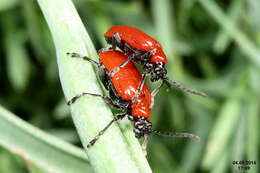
126,85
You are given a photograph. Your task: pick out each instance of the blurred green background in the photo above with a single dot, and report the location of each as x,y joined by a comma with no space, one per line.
213,46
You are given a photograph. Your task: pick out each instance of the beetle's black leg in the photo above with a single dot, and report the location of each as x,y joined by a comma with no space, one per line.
157,89
155,92
76,55
105,98
116,39
94,140
139,89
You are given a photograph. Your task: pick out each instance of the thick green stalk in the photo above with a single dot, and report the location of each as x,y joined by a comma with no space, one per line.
113,152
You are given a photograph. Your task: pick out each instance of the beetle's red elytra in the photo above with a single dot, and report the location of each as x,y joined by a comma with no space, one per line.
126,82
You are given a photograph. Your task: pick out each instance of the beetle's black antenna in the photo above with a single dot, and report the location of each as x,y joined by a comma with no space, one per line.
171,83
181,135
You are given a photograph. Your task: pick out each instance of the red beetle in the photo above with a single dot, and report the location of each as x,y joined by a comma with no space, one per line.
142,48
136,40
125,94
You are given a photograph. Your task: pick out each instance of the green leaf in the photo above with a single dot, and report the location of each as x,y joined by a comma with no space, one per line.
34,169
39,148
10,163
18,65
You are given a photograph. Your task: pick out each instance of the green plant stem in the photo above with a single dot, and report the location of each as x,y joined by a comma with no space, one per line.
112,153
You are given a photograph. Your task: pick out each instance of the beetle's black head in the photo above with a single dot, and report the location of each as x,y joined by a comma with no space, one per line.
141,126
158,71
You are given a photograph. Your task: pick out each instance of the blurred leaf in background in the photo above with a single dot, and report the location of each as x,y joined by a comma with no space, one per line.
213,46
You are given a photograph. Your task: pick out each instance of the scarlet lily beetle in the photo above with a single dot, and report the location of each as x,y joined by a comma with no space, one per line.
125,94
140,47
